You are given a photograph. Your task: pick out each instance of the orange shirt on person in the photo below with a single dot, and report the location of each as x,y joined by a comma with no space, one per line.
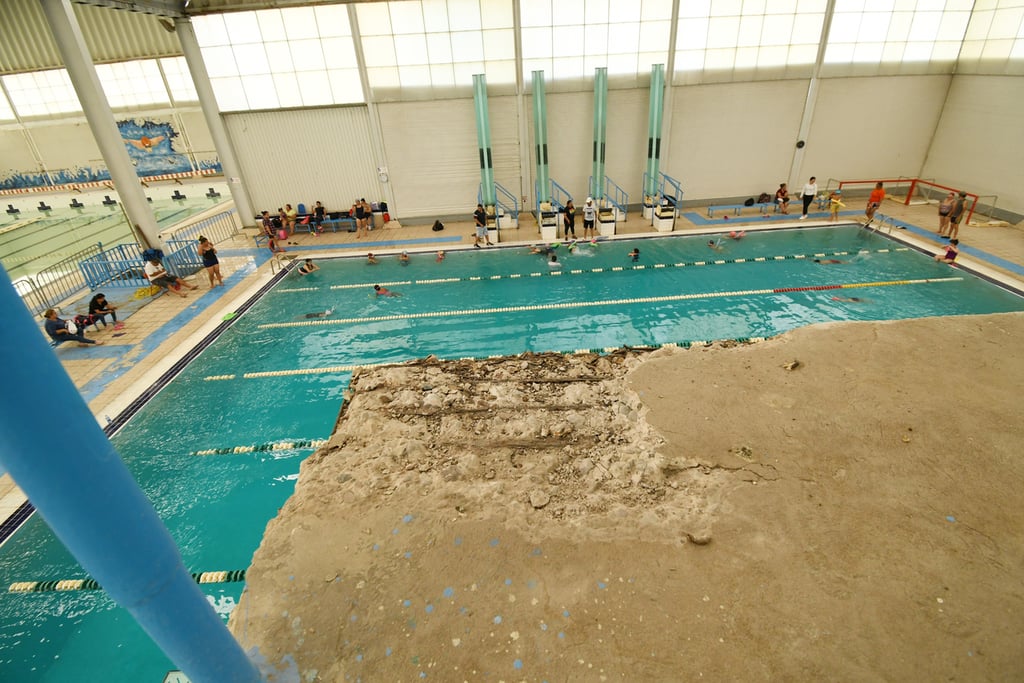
877,195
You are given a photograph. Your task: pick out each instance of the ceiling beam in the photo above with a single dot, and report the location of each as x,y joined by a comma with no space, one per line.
161,8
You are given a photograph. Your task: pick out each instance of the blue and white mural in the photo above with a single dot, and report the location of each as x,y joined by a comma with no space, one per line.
150,146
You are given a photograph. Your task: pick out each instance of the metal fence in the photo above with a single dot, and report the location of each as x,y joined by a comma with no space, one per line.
57,282
217,229
124,264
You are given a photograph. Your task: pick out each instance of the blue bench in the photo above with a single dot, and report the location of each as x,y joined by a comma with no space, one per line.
736,208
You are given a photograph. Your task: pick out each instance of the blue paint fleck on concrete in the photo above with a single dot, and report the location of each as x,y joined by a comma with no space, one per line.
406,603
508,582
537,552
543,627
458,541
429,609
518,664
950,518
561,634
407,554
394,531
407,519
602,585
376,546
353,618
359,658
448,592
565,613
494,542
497,619
387,652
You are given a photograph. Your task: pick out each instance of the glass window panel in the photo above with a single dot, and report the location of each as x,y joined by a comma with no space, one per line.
6,111
977,28
499,45
279,54
656,10
374,19
569,41
271,24
308,55
414,76
726,8
467,46
750,31
868,52
1006,23
810,6
996,50
496,14
752,7
774,55
807,28
220,61
777,29
210,30
299,23
803,54
596,12
442,75
899,26
945,51
592,62
379,51
719,60
383,77
645,60
931,5
339,53
406,17
622,11
893,52
345,85
849,6
502,71
695,9
179,80
845,28
622,64
251,59
627,39
464,15
690,60
595,40
959,5
722,32
332,21
229,93
953,26
566,12
654,35
261,93
411,50
286,86
566,68
531,65
925,26
878,6
535,12
435,15
242,28
314,88
464,72
839,53
439,48
1018,50
874,26
692,34
746,57
917,52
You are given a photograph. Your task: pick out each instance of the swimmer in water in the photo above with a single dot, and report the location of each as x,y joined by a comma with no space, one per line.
852,299
540,249
553,263
634,255
717,246
320,314
371,259
826,261
733,235
440,256
403,258
384,291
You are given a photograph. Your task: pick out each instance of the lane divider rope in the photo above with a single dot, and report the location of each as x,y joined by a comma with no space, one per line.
264,447
581,271
232,576
584,304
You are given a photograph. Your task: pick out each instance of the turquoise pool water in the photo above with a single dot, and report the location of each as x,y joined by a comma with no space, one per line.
216,506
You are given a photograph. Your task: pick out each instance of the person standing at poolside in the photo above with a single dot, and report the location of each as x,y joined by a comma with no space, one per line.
480,225
945,208
210,261
569,219
359,213
835,202
589,216
808,194
782,198
957,215
875,200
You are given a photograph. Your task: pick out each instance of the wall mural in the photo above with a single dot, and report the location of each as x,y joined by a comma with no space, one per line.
150,146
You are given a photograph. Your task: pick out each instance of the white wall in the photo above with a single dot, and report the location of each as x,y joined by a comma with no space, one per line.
433,158
295,156
979,143
868,128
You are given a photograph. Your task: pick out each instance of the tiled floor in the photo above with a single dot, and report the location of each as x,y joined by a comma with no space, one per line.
158,331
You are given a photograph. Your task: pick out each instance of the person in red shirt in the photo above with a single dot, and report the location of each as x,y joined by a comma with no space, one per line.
874,201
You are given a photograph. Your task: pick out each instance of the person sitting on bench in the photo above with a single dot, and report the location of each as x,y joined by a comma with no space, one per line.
157,275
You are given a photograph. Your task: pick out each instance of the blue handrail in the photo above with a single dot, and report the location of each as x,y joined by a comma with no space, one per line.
510,205
614,194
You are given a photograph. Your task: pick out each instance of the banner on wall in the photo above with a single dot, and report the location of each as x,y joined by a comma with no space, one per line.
150,146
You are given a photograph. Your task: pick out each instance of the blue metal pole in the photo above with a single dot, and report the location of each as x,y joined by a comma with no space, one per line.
483,140
654,128
59,456
600,127
540,136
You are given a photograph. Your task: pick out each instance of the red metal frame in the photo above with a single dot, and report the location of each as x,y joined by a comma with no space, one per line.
913,186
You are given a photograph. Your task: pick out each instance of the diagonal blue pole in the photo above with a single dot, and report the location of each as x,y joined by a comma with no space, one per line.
62,460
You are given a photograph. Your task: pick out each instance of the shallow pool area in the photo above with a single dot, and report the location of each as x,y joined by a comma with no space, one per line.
211,450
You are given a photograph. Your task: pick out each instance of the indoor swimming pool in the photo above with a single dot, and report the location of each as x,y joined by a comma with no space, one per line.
218,450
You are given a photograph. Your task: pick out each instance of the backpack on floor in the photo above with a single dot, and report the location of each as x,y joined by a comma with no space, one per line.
764,198
438,226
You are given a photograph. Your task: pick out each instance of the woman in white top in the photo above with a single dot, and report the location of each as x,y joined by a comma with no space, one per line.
808,194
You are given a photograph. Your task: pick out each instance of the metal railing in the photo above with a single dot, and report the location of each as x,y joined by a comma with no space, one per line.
56,282
614,195
218,228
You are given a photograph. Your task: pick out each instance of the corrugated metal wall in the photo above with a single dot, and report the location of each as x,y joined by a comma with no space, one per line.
305,155
26,43
432,153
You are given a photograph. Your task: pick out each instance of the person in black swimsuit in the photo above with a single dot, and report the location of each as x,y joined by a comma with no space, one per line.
569,219
210,261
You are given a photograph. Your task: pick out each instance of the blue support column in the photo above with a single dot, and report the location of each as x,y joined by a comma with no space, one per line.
483,140
540,137
654,116
62,460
